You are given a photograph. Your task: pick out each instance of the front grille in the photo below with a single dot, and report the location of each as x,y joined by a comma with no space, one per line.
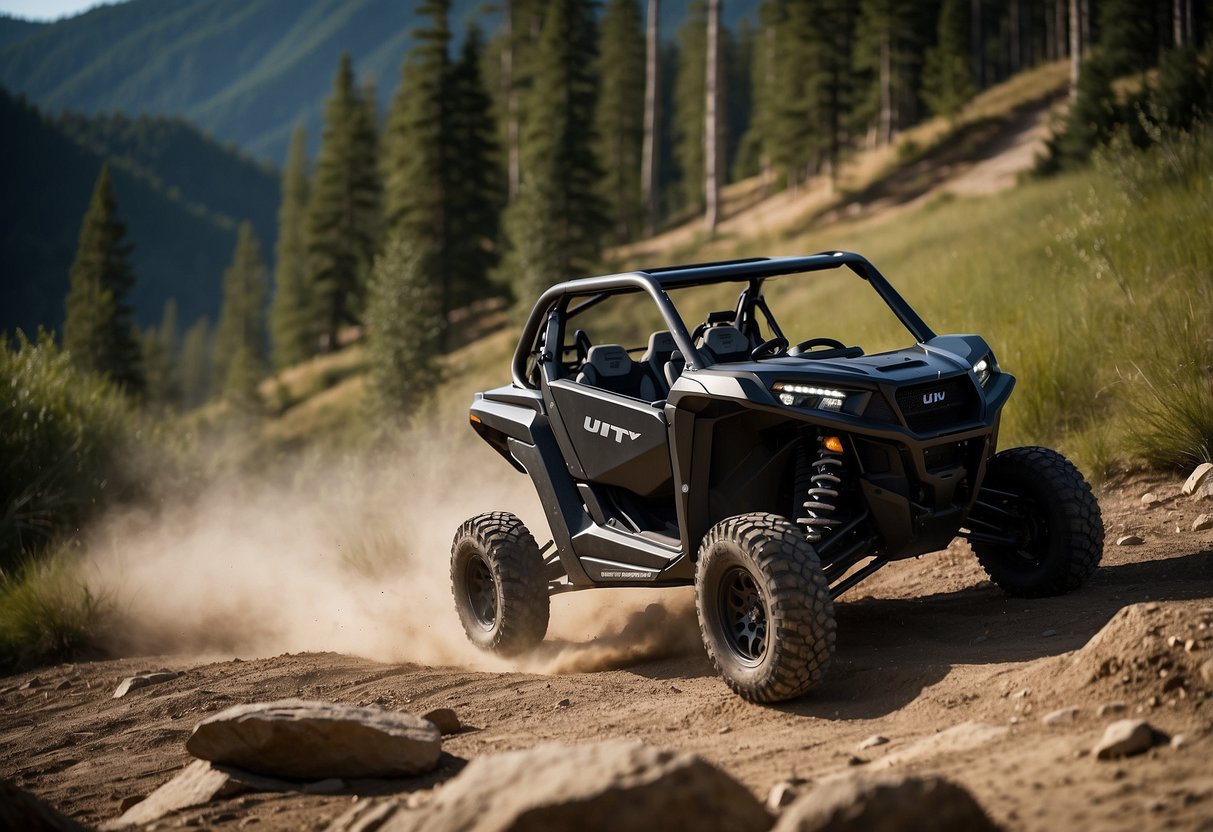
878,410
943,456
931,407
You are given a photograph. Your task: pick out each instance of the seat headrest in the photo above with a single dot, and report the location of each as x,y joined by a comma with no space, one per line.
661,343
725,340
610,360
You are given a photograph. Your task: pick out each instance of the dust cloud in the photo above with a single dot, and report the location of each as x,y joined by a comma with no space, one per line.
352,557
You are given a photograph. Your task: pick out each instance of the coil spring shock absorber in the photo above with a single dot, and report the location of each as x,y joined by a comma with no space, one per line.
816,485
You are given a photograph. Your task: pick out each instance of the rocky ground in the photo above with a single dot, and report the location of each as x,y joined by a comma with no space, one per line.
936,673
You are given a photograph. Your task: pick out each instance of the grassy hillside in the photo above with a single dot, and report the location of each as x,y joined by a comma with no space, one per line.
181,247
246,70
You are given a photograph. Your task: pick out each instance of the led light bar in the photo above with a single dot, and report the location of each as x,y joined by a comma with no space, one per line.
806,390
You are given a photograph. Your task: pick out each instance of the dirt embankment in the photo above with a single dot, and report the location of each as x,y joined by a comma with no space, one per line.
954,674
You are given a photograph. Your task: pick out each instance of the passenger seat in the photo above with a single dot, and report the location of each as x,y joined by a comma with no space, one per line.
609,367
661,347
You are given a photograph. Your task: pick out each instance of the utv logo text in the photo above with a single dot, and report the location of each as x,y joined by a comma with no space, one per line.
931,398
596,426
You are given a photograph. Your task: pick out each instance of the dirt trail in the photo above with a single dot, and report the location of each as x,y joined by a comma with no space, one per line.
931,656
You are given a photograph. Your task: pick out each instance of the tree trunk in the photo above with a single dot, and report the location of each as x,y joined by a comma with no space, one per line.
1016,53
1050,39
648,163
1075,48
1059,28
711,125
514,174
977,45
1177,21
885,132
1084,18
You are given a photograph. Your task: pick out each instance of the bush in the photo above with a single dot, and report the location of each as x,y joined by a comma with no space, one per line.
47,613
64,439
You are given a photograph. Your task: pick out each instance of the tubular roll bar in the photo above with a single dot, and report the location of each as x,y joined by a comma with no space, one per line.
655,282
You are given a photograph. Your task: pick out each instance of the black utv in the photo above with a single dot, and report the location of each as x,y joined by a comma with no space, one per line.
773,476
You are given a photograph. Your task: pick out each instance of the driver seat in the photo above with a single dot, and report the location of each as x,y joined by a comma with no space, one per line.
725,343
661,347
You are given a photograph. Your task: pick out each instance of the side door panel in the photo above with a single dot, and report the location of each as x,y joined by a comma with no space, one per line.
617,440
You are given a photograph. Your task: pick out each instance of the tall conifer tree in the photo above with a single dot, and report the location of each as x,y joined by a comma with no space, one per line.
688,105
557,223
947,79
443,193
885,51
196,364
405,333
99,331
344,205
240,337
293,312
620,115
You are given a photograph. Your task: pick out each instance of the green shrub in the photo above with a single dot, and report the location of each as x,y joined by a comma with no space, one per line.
47,612
65,438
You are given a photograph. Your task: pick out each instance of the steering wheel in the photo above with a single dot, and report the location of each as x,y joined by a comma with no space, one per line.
805,346
770,348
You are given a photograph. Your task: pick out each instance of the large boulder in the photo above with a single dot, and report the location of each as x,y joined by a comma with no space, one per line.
607,786
316,740
886,803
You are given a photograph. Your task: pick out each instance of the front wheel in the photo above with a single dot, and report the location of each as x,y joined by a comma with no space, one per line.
497,578
1039,502
764,607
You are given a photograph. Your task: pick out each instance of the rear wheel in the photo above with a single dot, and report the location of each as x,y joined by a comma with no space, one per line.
497,578
1039,500
764,607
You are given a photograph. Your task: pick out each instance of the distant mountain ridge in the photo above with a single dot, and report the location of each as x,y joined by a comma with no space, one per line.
180,193
244,70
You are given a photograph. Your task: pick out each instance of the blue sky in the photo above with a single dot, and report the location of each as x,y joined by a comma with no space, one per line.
46,9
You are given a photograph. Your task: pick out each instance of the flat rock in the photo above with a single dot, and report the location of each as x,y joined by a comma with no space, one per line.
886,803
872,742
1129,540
600,787
1203,475
317,740
32,682
1150,499
197,784
1206,672
445,719
1111,708
1204,521
143,680
962,737
1126,738
20,810
1060,716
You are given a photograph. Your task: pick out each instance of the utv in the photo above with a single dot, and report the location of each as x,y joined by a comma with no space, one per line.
772,476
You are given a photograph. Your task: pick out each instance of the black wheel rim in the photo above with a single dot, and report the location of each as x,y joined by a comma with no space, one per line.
743,615
481,591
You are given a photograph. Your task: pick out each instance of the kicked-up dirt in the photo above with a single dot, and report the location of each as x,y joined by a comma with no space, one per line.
957,677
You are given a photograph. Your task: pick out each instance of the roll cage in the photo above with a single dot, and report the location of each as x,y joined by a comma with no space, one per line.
556,306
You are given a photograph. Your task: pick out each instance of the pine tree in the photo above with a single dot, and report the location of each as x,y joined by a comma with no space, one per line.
688,105
343,208
886,53
947,78
404,330
1127,36
196,364
443,191
161,371
619,117
556,225
478,184
99,331
240,336
293,316
651,156
712,89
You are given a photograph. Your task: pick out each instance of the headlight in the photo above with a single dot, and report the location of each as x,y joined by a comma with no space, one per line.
983,369
804,395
